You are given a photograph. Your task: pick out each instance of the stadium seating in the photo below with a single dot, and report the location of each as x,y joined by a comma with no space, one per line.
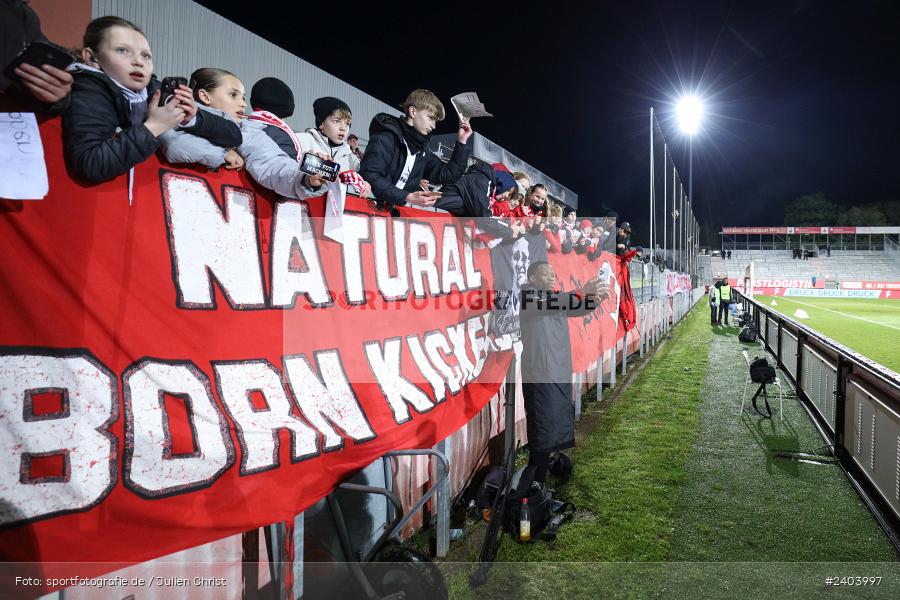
842,265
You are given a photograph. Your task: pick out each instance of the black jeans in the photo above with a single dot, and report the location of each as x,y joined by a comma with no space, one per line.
723,310
713,314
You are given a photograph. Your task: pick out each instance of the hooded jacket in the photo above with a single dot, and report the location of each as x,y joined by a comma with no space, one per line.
312,140
269,165
470,195
101,142
179,146
382,165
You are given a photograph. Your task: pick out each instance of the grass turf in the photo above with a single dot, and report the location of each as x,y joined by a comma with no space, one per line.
747,498
671,473
868,326
628,472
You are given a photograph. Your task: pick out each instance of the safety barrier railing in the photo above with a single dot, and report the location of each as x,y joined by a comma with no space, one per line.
853,401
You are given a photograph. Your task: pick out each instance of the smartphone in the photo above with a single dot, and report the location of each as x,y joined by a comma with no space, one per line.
604,272
38,54
313,165
168,87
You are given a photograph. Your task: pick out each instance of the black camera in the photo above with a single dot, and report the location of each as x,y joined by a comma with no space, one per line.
167,90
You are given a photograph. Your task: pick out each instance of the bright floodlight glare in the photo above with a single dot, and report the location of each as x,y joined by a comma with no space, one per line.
689,111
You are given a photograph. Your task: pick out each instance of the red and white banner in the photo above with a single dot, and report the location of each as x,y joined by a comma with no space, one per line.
827,293
804,287
870,285
677,283
598,330
780,283
205,361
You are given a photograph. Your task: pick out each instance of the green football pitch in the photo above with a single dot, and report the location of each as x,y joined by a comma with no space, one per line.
870,327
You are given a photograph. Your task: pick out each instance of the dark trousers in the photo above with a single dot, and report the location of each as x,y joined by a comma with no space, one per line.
541,462
723,310
713,314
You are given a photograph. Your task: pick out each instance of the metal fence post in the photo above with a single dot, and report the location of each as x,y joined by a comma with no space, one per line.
442,503
612,366
624,353
576,385
801,341
641,313
600,377
844,368
778,354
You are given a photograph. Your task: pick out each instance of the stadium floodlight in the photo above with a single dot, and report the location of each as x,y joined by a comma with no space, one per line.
689,111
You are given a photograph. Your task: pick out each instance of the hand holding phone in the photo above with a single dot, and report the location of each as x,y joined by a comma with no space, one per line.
41,69
167,90
423,198
37,54
316,166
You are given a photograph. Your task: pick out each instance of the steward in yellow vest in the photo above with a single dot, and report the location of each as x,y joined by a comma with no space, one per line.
724,301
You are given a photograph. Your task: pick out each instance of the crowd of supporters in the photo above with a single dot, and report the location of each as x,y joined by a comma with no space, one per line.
115,115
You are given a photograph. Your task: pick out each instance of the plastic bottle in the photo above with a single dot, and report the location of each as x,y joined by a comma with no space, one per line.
524,522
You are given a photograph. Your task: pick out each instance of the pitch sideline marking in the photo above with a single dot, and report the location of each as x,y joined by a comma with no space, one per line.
841,313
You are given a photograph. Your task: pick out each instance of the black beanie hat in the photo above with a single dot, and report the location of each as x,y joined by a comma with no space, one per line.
323,107
273,95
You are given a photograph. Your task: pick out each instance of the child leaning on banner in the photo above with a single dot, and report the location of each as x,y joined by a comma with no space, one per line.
114,121
271,150
219,93
329,137
397,157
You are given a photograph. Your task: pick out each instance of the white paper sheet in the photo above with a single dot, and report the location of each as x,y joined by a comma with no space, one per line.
468,106
334,211
23,173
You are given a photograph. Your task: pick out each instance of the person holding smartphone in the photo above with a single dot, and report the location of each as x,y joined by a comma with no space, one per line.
547,359
397,157
36,87
115,118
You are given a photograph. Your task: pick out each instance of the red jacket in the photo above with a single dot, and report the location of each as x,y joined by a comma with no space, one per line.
501,209
553,238
627,309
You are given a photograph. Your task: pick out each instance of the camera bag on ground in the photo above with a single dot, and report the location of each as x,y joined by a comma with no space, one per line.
540,500
747,334
546,512
560,466
761,372
493,481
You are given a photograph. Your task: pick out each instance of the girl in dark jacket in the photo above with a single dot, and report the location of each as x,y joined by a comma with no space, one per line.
114,120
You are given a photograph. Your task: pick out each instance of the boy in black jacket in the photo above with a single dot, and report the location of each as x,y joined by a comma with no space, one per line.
397,158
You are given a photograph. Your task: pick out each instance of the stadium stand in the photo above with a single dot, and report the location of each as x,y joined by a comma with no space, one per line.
842,265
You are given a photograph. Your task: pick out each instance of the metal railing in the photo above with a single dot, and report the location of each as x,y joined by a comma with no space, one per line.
853,401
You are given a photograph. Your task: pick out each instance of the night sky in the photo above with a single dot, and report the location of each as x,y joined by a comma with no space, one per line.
800,96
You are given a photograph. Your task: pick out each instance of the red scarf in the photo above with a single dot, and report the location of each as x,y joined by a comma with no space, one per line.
270,119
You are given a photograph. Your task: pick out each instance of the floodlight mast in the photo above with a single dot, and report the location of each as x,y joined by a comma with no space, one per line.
690,113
